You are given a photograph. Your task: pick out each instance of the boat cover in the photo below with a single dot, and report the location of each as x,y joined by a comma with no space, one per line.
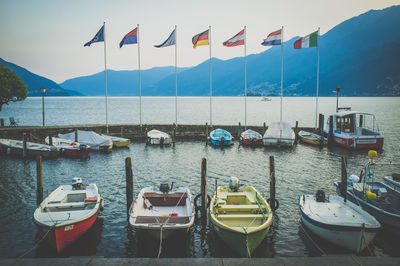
279,130
90,138
251,134
157,134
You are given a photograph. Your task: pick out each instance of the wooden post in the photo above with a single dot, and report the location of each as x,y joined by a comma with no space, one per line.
264,128
2,122
321,124
39,181
360,123
272,182
239,130
330,132
50,140
24,145
296,131
206,133
129,184
76,135
203,189
343,185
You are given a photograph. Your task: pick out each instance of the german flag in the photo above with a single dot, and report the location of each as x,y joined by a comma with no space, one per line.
200,39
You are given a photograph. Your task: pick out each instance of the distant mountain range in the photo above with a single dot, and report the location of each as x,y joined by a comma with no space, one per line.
361,55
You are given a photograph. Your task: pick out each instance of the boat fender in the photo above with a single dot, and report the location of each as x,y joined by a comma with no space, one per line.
371,195
274,204
101,203
320,195
147,204
196,207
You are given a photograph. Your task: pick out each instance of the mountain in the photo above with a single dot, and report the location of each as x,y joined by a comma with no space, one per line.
35,82
361,55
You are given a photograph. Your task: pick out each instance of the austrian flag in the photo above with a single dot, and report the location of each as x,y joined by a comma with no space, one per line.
308,41
236,40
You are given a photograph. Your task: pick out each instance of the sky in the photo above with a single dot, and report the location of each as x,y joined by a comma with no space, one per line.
47,36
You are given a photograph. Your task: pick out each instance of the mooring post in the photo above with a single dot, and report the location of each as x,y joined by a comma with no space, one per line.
360,123
206,133
321,124
296,132
39,180
2,122
50,140
343,186
239,130
264,128
76,135
24,145
272,201
330,133
203,192
129,183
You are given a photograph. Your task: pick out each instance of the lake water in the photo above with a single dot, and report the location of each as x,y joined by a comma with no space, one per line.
301,170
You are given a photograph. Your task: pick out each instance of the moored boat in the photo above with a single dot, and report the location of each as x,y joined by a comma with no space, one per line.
157,137
279,134
250,138
90,138
311,138
220,137
69,148
67,213
342,223
393,181
241,217
162,213
118,142
16,147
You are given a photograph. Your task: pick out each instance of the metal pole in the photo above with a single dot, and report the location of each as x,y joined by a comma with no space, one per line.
176,77
316,99
281,73
245,82
209,40
43,106
140,81
105,73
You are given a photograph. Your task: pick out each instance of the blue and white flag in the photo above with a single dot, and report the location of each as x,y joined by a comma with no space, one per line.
99,37
168,42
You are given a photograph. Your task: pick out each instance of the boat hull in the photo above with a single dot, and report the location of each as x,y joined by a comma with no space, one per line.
358,142
75,153
251,142
218,142
167,231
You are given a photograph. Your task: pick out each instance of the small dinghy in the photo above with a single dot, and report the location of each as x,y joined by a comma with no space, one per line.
342,223
157,137
251,138
67,213
90,138
69,148
279,134
312,138
220,137
154,210
241,217
16,147
393,181
118,142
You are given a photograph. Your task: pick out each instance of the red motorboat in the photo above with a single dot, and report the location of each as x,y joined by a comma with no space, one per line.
67,213
251,138
69,148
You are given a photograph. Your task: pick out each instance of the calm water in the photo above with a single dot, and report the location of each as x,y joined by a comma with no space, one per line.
299,171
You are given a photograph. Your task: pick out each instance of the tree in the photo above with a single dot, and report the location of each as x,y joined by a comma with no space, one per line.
12,88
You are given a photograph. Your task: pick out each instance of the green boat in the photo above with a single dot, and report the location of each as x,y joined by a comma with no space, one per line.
240,217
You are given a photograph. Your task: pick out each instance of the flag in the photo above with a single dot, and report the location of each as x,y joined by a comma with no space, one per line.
310,40
236,40
200,39
130,38
99,37
170,41
274,38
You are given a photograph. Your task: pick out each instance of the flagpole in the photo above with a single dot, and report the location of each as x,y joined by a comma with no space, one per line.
281,73
245,82
176,77
105,73
316,99
140,81
209,40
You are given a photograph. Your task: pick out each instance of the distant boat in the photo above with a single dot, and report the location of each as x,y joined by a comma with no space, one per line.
393,181
251,138
279,134
350,130
220,137
69,148
311,138
90,138
117,141
157,137
342,223
15,147
266,99
67,213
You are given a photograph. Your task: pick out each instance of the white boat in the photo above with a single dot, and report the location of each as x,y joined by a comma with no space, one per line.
251,138
69,148
279,134
90,138
118,142
67,213
393,181
157,137
171,211
342,223
15,147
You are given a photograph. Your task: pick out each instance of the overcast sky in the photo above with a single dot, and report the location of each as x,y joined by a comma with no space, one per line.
47,36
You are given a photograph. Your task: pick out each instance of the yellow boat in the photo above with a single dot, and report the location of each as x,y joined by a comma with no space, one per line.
118,142
312,138
240,217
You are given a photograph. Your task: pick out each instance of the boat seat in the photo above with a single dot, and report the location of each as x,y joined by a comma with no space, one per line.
162,219
66,205
239,208
60,197
240,216
238,198
170,199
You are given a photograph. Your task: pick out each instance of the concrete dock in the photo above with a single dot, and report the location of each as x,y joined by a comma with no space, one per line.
324,260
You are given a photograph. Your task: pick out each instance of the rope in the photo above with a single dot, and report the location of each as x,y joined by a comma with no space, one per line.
315,244
247,244
160,247
37,243
363,239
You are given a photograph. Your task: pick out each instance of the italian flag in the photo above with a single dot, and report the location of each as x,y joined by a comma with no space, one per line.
308,41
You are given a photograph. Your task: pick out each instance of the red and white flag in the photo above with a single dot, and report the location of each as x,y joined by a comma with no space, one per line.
236,40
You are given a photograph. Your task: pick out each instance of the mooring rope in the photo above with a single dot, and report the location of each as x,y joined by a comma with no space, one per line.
160,247
37,243
315,244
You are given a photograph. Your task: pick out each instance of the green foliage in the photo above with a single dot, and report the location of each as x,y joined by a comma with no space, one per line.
12,88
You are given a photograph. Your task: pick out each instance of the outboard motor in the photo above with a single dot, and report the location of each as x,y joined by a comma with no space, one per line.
222,140
77,183
164,188
234,184
83,147
162,141
353,179
320,195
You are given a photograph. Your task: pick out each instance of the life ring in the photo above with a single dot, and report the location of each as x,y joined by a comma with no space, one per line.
197,208
275,204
